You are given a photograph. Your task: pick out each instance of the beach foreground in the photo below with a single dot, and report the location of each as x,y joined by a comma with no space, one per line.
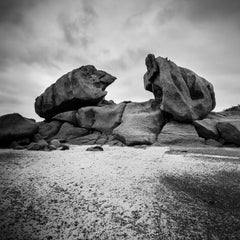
120,193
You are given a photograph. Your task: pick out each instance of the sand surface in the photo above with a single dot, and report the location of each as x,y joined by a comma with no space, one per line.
120,193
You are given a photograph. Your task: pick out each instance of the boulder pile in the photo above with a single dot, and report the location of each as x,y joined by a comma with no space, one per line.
76,112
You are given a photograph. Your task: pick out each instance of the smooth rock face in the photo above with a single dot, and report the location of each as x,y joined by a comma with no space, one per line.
181,92
229,130
206,128
141,123
68,132
103,119
176,133
84,86
69,116
14,126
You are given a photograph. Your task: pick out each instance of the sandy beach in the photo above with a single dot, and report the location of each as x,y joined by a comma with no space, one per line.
120,193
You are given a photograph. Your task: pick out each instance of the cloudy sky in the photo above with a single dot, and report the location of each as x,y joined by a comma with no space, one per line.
40,40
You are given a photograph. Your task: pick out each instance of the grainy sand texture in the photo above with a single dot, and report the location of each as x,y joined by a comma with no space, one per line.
120,193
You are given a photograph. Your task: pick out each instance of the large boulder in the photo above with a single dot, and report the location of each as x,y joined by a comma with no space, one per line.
229,130
84,86
103,119
181,92
14,126
177,133
141,123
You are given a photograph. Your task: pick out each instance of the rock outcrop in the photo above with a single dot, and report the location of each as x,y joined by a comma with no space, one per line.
181,93
141,123
76,112
14,127
84,86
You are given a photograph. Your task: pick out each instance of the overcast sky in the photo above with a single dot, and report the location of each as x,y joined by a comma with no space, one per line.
40,40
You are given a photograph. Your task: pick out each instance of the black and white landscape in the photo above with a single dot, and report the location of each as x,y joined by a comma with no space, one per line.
119,120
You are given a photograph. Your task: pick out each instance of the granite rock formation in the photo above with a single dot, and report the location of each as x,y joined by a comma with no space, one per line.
84,86
76,112
181,93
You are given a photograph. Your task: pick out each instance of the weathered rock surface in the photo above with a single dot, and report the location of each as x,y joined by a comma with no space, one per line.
229,130
181,92
14,126
141,123
213,143
176,133
84,86
206,128
89,139
49,129
69,116
103,119
55,142
68,132
36,146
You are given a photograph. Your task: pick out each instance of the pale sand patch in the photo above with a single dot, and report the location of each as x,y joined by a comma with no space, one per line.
78,194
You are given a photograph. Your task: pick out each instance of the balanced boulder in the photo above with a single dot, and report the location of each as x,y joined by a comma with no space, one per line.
14,126
84,86
141,123
181,93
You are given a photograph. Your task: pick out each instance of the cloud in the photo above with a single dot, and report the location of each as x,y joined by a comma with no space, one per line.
13,10
205,10
76,26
